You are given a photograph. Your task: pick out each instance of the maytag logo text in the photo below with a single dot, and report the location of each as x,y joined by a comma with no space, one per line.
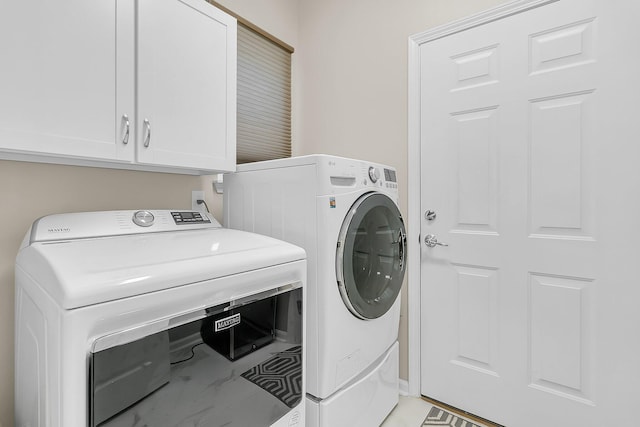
227,322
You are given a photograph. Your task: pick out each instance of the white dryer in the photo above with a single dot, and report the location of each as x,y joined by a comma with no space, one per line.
344,213
158,318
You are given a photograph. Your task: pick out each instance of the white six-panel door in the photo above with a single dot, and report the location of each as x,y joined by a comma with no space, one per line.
528,147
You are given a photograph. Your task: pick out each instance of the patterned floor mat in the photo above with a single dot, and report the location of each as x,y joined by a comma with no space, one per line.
281,375
440,417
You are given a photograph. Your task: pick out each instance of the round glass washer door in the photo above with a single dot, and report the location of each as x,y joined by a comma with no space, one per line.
371,256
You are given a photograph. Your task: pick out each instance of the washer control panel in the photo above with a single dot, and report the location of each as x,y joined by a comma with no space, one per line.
348,174
374,174
390,175
390,178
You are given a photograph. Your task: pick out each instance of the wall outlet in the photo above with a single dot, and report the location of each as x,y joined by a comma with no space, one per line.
195,196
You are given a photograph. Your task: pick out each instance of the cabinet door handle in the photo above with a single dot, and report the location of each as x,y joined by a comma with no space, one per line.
125,138
147,139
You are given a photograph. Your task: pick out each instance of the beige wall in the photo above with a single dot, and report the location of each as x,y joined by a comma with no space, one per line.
352,82
350,69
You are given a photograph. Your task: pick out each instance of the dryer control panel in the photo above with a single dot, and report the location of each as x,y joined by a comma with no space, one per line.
84,225
185,218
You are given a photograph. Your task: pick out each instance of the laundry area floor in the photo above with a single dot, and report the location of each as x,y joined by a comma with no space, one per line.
416,412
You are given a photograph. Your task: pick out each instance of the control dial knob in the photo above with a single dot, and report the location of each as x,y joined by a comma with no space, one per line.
374,174
143,218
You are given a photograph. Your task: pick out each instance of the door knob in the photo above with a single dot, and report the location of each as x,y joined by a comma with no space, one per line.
431,241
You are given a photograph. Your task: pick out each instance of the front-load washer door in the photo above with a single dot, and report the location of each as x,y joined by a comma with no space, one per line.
371,256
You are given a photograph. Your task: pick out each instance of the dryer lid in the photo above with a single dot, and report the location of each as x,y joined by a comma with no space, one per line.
92,270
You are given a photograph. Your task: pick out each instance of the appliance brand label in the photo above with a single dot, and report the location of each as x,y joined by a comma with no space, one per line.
227,323
59,230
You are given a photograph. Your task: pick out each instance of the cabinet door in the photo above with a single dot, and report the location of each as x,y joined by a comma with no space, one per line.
66,79
186,85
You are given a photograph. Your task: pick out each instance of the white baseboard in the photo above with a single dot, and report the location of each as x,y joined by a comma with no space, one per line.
404,387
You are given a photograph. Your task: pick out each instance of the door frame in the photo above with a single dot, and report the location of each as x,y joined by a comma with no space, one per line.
414,217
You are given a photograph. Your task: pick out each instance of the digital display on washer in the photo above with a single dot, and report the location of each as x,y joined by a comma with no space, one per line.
189,218
390,175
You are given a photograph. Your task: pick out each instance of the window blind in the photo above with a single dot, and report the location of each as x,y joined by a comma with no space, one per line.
264,98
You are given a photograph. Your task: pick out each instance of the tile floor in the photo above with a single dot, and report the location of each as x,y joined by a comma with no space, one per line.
410,412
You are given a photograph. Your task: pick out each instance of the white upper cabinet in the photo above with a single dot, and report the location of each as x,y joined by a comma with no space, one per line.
186,84
66,77
79,78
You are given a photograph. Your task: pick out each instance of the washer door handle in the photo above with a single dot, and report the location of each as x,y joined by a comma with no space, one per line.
402,248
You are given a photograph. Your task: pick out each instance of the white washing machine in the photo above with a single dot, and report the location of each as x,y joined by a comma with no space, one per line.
344,213
157,318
